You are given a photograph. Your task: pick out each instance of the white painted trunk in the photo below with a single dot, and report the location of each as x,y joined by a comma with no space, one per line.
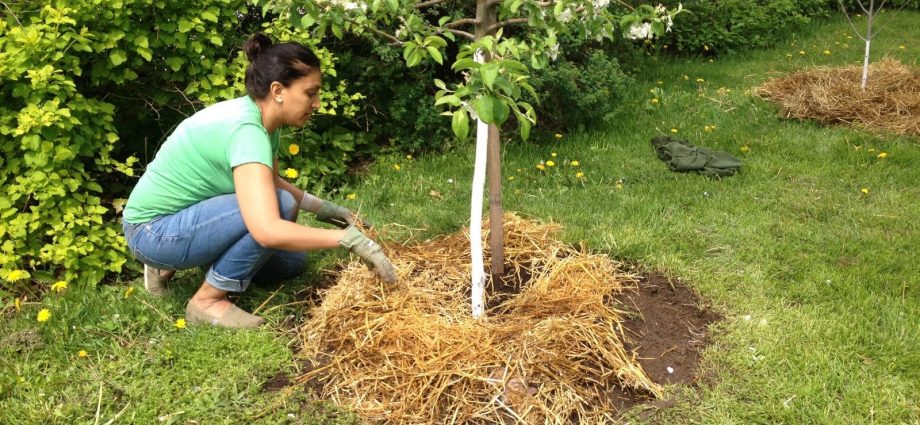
865,74
479,180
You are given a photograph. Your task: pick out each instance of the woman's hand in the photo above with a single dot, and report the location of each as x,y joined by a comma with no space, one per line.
339,216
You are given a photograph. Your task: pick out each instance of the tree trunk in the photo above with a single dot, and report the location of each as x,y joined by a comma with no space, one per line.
869,16
487,145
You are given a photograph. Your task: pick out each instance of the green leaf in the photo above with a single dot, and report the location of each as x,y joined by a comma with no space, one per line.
451,99
216,40
185,25
145,53
408,48
485,108
93,186
488,73
524,124
117,57
658,28
435,54
141,41
307,21
175,62
393,5
209,15
465,64
433,40
460,124
440,84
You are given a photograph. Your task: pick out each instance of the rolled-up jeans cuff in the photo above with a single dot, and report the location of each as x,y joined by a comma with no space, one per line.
225,283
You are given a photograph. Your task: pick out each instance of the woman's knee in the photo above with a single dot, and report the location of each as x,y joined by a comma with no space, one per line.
287,204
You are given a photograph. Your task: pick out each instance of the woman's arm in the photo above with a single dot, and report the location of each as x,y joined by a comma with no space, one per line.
255,191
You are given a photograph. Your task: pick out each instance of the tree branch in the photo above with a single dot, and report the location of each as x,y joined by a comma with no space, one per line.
463,34
462,22
844,10
12,14
420,5
880,27
505,23
393,40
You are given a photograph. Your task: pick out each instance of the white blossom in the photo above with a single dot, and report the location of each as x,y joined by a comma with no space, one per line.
566,16
600,4
640,31
554,51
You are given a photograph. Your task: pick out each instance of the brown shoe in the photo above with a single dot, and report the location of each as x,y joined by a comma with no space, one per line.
155,284
234,317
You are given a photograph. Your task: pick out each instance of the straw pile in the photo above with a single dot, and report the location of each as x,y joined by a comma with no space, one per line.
891,101
411,353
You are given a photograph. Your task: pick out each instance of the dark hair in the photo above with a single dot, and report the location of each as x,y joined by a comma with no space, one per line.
283,62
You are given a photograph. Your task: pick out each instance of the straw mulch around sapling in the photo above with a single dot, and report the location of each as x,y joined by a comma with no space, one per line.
891,101
549,351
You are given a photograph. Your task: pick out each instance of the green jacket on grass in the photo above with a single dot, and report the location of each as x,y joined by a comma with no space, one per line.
681,156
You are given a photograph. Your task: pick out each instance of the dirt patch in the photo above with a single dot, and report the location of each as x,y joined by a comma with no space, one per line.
667,328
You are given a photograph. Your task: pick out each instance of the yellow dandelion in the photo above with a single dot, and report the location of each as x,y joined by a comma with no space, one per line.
129,291
17,303
686,78
883,155
291,173
902,47
519,170
575,163
744,148
82,354
654,101
397,167
540,167
871,150
847,46
409,157
351,196
707,129
59,286
865,190
553,154
659,82
710,61
510,178
619,186
652,91
802,52
827,52
579,175
180,323
550,164
788,55
293,149
16,275
558,135
43,315
706,47
674,130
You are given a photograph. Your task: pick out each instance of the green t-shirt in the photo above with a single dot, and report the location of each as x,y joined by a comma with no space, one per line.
196,161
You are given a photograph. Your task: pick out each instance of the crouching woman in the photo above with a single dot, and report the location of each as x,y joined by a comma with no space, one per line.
213,197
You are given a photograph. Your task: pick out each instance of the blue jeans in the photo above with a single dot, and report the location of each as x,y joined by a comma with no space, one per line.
212,233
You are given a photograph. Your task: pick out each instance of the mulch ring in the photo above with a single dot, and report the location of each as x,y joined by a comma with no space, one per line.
568,336
891,101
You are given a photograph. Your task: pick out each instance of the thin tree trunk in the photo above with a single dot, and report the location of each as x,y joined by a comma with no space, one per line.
494,173
869,16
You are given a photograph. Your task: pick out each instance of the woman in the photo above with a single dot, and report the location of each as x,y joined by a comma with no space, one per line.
213,195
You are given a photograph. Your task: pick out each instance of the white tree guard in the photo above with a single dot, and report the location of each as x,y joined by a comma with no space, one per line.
479,181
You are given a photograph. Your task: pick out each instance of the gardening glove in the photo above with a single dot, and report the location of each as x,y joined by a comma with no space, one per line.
327,212
370,252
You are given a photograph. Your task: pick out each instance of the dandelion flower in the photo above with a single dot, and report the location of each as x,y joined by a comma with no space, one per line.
686,78
865,190
409,157
744,148
707,129
553,154
802,52
827,52
17,304
510,178
43,315
180,323
575,163
902,47
82,354
351,196
659,82
619,186
129,291
293,149
59,286
788,55
579,175
700,80
706,47
883,155
558,135
291,173
540,167
550,164
396,167
16,275
674,130
654,101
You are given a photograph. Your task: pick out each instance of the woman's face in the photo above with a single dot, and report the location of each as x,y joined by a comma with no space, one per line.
300,99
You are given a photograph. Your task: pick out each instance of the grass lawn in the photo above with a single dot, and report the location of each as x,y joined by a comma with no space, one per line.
810,253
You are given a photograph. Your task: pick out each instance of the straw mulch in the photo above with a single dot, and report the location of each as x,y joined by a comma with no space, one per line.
411,353
891,101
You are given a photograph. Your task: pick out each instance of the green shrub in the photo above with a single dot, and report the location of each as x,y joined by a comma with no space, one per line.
721,26
84,86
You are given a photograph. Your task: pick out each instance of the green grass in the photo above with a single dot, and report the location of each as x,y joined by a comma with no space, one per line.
818,282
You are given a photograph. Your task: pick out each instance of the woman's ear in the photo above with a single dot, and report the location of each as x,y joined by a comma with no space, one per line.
275,90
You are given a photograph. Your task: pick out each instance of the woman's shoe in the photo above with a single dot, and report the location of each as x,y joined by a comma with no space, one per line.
155,284
234,317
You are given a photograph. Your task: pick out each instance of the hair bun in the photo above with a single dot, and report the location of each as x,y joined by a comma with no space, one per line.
256,45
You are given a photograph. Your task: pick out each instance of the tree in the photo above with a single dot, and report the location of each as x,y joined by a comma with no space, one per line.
871,13
492,66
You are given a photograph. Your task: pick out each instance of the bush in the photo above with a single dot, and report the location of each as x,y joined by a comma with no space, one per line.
722,26
84,83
